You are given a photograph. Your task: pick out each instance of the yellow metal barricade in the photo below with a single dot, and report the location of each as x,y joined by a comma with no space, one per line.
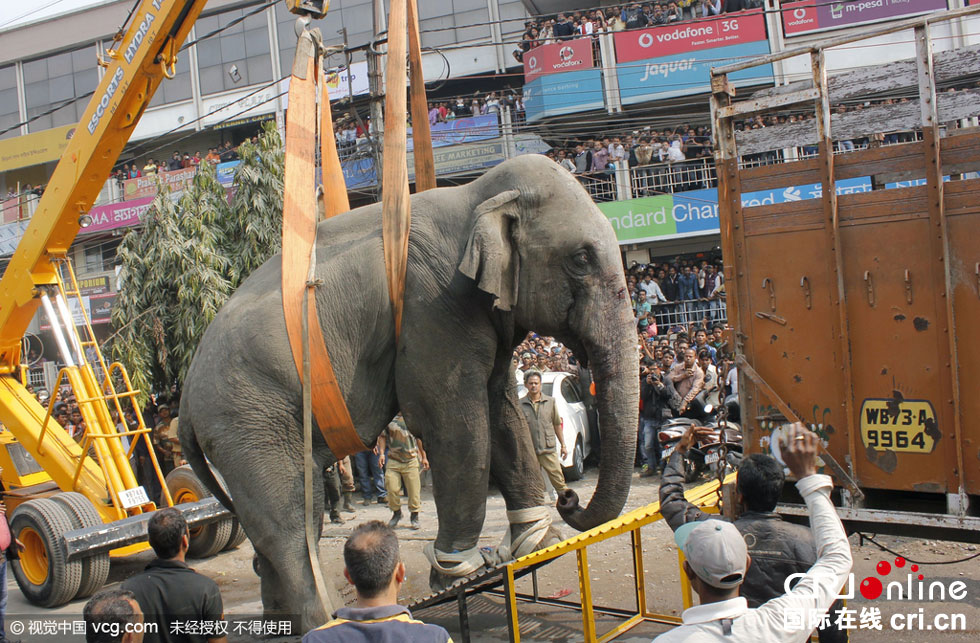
705,497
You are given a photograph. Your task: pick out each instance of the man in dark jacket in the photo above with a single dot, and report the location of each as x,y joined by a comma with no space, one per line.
563,28
659,401
635,18
777,548
170,593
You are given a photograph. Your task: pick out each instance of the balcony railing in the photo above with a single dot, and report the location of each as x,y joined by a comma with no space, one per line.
684,313
667,178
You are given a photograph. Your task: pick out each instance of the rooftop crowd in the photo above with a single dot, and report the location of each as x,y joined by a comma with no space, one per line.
578,24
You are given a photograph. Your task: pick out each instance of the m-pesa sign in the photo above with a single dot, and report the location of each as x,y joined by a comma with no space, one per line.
808,16
709,33
568,55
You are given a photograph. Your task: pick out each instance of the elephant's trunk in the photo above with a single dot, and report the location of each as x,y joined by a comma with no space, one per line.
612,353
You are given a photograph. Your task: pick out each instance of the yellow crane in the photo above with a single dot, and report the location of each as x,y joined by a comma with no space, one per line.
75,503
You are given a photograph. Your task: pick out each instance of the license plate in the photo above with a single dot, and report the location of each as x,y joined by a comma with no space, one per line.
133,497
711,458
668,451
907,426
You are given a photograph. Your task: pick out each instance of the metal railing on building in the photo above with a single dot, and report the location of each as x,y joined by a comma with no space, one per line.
685,313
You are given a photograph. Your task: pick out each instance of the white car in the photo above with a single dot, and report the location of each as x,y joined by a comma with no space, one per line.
574,420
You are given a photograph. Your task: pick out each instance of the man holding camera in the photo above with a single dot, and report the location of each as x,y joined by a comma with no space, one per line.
658,396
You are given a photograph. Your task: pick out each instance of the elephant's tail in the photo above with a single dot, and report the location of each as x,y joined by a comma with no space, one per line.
199,463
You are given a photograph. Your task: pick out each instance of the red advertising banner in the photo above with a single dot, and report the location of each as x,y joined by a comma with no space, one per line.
147,185
117,215
807,16
706,33
568,55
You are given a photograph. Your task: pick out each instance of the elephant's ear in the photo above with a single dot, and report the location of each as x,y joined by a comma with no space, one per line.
491,258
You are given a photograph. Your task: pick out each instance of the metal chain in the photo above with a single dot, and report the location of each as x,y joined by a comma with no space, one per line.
723,450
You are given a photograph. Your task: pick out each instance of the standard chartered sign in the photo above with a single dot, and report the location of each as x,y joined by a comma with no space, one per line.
694,213
663,217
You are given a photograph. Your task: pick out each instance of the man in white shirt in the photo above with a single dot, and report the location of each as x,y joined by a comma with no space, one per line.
617,152
675,153
717,559
731,385
652,289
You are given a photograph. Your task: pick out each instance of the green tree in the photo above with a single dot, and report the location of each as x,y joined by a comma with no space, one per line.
174,280
181,266
253,230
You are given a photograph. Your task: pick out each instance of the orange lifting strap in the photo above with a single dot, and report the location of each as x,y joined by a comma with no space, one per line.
299,203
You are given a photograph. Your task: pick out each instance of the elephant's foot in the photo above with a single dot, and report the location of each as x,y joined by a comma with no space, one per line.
438,581
447,568
530,530
550,537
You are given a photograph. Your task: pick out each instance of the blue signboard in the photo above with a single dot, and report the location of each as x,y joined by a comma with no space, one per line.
461,130
226,172
688,72
564,93
359,173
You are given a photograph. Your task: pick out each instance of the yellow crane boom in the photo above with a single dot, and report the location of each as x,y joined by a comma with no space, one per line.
144,56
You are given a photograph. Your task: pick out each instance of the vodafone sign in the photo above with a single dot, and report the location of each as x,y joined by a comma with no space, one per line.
569,55
706,33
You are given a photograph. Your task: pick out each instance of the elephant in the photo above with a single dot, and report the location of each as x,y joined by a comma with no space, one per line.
521,247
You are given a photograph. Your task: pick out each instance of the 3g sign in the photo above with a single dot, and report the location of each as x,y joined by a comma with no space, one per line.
729,25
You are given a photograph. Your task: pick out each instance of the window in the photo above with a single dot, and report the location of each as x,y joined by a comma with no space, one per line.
178,88
569,390
9,108
99,257
452,21
237,57
54,79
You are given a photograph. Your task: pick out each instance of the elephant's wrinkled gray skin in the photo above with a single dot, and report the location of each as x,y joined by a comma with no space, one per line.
523,247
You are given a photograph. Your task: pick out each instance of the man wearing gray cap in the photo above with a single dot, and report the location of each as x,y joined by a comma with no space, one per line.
717,559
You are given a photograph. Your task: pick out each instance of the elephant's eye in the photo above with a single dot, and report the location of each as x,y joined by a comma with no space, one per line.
581,258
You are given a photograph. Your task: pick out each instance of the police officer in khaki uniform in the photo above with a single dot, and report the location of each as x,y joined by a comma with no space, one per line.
405,453
542,417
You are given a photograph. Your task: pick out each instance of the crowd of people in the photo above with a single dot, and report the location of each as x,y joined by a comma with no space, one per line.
177,161
656,153
351,133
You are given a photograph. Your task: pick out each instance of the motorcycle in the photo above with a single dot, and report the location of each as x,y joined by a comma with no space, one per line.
720,453
706,453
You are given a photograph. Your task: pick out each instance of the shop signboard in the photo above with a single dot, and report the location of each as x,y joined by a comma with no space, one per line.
94,285
34,148
676,60
100,307
458,159
809,16
142,186
118,215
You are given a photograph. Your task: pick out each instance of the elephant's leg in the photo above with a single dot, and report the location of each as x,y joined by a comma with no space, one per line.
451,415
513,462
271,509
